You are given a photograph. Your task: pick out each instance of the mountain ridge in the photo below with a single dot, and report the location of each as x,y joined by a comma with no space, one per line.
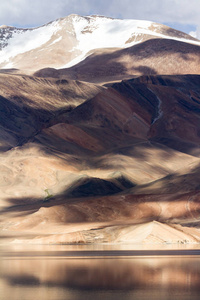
151,57
69,40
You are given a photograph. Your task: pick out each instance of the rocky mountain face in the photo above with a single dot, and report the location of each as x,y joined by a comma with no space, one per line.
83,162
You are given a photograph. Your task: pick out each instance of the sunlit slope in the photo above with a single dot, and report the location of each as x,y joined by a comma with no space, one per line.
122,155
151,57
29,104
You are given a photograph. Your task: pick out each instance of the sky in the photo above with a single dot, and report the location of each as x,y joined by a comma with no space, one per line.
183,15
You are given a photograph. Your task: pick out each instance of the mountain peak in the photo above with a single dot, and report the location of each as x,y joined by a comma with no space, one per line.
67,41
6,26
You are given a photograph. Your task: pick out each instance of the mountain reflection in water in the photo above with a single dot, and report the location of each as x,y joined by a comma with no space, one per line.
62,278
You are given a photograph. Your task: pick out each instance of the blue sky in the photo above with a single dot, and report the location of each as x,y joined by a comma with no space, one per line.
180,14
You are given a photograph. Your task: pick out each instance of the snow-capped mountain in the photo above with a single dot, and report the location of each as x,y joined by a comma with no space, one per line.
67,41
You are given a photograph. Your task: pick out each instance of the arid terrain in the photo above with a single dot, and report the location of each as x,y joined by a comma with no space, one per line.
105,149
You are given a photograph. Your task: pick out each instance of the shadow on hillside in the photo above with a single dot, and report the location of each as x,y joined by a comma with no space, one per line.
109,65
81,189
19,122
172,188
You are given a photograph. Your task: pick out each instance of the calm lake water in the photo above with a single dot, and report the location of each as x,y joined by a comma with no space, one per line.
62,273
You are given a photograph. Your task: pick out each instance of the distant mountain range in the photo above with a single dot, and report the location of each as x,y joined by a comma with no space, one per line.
99,133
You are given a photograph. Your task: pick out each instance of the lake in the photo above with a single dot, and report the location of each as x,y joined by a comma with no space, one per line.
99,272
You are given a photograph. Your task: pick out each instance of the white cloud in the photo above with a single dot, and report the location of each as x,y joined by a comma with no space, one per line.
37,12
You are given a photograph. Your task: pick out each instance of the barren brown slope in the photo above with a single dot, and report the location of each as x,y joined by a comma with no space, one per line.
160,109
90,170
29,104
155,56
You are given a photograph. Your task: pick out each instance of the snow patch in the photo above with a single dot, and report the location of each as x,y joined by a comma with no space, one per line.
95,32
24,41
9,65
160,112
75,61
57,40
193,34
